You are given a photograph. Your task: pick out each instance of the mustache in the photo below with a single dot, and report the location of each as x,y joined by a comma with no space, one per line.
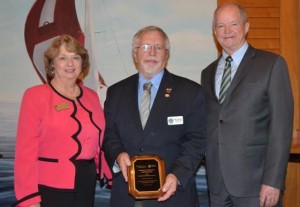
151,60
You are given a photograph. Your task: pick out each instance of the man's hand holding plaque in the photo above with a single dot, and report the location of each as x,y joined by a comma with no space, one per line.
146,177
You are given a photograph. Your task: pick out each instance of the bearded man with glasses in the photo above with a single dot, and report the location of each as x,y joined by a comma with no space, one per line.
172,126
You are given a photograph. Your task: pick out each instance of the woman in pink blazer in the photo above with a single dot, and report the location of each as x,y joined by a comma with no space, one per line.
59,135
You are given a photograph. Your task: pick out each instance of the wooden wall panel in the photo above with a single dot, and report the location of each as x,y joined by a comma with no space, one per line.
292,192
263,12
290,49
264,22
273,44
259,3
264,33
253,3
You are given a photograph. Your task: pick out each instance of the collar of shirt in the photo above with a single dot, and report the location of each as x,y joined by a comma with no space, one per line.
236,60
155,85
237,56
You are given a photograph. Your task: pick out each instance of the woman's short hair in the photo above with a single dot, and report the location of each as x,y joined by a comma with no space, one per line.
71,45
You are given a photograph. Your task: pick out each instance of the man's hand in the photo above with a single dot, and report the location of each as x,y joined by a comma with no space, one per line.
269,196
169,187
123,161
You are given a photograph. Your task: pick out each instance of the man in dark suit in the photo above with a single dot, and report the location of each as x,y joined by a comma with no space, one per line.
250,117
175,129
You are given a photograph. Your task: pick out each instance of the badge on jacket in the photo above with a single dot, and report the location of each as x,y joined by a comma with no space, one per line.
175,120
61,106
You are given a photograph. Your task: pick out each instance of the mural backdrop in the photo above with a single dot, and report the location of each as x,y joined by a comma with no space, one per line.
107,28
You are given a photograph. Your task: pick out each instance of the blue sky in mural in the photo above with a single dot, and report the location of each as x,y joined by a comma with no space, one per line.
188,24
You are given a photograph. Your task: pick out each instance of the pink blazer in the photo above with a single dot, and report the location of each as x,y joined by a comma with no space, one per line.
48,139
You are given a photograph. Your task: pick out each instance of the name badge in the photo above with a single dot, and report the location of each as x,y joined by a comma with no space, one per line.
61,106
175,120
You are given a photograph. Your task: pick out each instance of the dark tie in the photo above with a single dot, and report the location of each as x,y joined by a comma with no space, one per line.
145,103
226,80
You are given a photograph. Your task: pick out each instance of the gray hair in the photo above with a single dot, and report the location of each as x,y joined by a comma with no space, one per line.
136,37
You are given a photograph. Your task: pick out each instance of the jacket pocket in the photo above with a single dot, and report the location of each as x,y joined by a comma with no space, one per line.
45,159
257,150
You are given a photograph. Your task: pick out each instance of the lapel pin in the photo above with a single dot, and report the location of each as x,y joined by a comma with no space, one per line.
168,92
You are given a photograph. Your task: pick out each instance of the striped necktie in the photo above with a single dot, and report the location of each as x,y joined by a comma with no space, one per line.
145,103
226,80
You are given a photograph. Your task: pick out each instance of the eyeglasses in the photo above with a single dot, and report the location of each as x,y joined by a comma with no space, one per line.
147,48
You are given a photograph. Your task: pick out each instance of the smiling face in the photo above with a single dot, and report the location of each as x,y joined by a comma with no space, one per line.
230,28
152,59
67,65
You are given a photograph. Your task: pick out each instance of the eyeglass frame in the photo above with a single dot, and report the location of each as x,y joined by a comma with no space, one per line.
148,47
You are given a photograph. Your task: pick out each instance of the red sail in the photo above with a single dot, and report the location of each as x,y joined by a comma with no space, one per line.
45,21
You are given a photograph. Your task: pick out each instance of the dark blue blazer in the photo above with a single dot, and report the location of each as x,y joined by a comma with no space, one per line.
181,146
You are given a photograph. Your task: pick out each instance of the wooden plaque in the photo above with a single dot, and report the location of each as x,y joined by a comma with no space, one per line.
146,176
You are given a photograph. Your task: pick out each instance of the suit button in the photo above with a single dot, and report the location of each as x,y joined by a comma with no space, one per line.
142,149
221,121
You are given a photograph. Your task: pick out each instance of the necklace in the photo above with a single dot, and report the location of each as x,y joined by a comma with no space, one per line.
71,94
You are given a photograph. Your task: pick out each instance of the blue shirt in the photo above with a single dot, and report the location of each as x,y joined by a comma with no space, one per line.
236,60
154,88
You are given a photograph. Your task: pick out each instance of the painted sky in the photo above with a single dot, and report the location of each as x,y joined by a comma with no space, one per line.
187,23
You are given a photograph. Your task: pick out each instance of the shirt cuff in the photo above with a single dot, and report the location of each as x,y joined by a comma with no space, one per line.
116,168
